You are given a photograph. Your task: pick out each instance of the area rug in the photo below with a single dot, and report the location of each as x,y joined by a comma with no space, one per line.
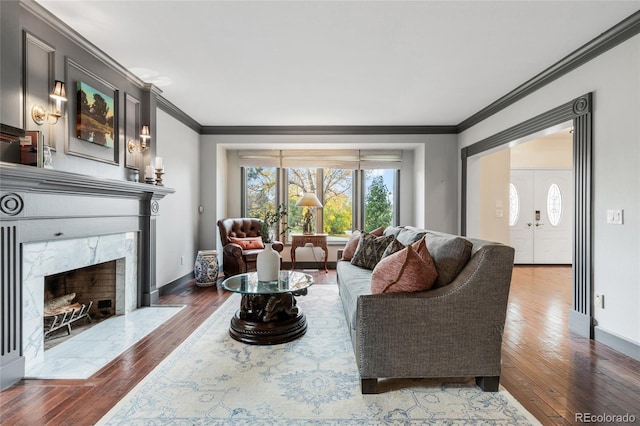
212,379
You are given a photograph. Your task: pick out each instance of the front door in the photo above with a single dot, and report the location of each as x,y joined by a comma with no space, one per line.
541,215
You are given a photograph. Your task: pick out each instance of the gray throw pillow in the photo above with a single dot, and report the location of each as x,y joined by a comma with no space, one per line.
450,254
370,250
409,236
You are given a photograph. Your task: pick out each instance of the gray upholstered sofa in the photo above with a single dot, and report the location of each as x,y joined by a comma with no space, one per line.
454,330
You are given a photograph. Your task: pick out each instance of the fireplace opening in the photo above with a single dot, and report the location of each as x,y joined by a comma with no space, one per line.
78,299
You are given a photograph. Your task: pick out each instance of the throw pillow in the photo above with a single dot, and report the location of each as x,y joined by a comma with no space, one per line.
249,243
370,250
378,231
403,271
393,247
352,245
350,249
409,236
450,254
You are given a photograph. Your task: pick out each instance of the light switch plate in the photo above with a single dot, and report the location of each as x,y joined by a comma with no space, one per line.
614,217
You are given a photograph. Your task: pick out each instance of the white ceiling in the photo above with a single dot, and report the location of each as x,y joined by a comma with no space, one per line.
241,63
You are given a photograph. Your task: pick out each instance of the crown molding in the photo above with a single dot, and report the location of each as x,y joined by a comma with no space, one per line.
328,130
179,115
617,34
52,20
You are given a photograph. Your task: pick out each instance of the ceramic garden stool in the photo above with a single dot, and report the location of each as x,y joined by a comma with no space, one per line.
206,268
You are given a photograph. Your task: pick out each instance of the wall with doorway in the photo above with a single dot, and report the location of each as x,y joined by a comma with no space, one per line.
614,79
554,151
494,196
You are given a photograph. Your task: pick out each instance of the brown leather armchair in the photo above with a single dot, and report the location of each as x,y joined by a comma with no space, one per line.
235,259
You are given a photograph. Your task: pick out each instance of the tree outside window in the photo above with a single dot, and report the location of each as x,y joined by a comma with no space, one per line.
378,202
335,193
261,190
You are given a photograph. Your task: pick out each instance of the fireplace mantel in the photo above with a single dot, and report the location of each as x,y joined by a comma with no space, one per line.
44,205
17,177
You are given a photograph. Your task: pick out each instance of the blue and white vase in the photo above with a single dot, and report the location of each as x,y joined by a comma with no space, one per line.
206,268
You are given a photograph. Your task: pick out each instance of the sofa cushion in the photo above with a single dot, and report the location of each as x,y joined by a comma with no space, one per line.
370,250
393,230
409,236
248,243
353,281
450,254
403,272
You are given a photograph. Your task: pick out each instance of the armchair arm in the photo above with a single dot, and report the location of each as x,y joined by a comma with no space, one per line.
232,250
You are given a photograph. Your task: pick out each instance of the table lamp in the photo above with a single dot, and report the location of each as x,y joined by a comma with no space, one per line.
308,200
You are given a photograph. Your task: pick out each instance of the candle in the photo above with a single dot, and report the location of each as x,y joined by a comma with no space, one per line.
148,171
159,164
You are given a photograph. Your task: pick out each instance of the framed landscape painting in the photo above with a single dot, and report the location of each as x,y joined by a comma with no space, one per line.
94,134
95,116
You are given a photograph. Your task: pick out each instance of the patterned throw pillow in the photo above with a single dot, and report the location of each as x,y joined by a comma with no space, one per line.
249,243
370,250
393,247
403,271
354,239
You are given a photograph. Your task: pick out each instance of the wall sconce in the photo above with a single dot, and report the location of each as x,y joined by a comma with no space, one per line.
39,114
145,135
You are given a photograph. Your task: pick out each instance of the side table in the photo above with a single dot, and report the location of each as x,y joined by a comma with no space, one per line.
316,240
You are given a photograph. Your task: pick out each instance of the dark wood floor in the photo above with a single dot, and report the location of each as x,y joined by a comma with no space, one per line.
553,373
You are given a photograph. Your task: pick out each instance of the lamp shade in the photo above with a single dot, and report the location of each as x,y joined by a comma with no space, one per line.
59,92
145,133
309,199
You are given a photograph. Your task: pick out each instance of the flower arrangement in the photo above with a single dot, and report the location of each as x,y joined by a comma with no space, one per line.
270,219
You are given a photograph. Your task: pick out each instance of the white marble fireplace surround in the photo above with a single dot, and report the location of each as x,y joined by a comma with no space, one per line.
41,259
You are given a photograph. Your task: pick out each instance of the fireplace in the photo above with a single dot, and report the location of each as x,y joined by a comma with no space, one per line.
53,222
41,260
83,295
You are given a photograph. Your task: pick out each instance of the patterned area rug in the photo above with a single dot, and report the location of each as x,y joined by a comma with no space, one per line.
213,379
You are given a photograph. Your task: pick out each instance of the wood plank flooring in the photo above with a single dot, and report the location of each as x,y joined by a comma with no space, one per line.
552,372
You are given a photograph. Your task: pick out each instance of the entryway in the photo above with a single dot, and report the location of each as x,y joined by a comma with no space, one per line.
541,215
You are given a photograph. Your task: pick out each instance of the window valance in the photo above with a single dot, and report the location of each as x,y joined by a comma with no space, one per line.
352,159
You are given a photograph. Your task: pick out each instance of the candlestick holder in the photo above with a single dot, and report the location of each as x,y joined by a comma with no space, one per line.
149,180
159,174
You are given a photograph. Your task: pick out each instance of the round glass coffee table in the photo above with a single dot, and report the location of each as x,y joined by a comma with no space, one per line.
268,313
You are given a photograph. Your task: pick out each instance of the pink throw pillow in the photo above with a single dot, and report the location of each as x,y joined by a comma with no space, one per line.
403,271
352,245
249,243
378,232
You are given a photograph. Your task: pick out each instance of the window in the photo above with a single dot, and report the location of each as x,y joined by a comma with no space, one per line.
554,205
514,205
334,189
379,198
357,188
261,185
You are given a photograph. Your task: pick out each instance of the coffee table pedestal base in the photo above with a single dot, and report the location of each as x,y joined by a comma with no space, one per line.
267,333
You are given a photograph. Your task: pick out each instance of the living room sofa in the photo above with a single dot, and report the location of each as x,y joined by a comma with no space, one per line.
453,329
